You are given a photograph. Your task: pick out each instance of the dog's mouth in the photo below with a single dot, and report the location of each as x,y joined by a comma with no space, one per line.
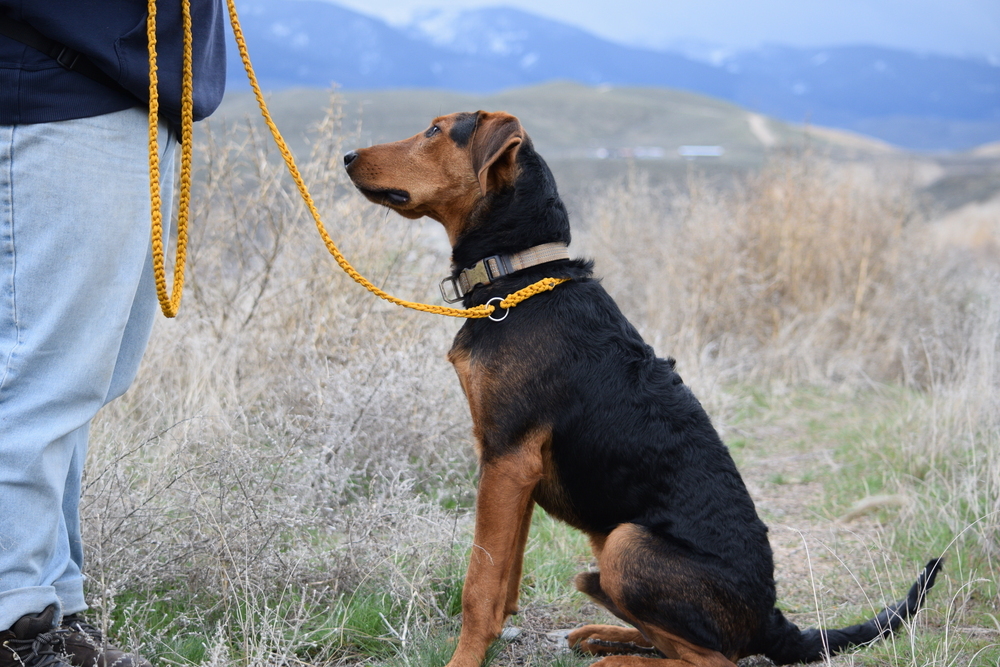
387,196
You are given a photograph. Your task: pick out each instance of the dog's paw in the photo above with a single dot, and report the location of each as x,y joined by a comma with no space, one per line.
607,639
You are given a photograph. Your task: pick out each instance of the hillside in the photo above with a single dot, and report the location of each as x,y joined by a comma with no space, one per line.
572,125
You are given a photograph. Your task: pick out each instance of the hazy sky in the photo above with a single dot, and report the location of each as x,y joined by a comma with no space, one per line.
958,27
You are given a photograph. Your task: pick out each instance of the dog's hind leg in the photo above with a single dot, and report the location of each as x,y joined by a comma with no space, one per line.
665,596
689,660
609,639
613,639
672,650
605,639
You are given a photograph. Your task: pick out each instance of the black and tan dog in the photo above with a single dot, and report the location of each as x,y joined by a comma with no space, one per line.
573,411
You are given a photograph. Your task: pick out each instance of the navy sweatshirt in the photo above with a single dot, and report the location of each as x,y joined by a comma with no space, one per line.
112,34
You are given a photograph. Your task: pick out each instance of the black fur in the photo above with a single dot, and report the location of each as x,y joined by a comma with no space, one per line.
631,443
515,218
461,131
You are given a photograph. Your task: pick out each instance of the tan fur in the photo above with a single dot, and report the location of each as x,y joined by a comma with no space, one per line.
444,182
615,554
494,576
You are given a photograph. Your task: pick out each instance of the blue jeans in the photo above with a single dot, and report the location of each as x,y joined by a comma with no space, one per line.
76,307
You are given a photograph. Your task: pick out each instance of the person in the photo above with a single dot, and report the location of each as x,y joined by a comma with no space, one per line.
77,297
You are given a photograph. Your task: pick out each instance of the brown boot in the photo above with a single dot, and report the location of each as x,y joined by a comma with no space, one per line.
85,646
33,642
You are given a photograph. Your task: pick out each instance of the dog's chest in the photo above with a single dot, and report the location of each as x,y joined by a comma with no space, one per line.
552,496
471,382
478,386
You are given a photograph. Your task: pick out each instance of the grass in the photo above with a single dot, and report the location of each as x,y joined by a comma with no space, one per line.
880,515
939,472
554,555
291,478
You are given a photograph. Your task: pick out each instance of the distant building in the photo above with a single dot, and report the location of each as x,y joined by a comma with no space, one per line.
691,152
636,153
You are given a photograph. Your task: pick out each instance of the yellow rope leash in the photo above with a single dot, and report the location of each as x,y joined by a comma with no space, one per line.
170,304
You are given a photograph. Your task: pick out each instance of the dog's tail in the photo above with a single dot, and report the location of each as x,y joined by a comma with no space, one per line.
784,643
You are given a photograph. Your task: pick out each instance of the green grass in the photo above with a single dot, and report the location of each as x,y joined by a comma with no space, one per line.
960,624
368,624
899,443
432,649
555,553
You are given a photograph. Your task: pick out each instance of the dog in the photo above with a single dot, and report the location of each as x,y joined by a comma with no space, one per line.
573,411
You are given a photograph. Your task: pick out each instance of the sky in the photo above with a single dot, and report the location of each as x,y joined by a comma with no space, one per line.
951,27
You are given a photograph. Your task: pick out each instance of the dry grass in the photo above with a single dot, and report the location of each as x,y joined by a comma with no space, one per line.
290,476
808,272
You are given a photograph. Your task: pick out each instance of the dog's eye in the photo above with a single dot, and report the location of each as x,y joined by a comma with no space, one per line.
434,129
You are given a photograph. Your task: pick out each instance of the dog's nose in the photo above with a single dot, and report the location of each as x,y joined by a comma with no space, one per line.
349,158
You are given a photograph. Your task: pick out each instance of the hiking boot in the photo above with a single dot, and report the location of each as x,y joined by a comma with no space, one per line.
84,646
33,642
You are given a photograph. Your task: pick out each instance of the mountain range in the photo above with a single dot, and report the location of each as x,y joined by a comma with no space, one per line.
916,101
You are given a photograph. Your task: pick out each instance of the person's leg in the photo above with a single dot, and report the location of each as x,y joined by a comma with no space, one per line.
74,237
130,351
69,585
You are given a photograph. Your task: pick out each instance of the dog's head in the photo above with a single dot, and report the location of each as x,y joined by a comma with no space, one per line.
446,171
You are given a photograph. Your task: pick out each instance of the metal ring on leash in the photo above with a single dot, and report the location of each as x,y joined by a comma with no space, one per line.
506,311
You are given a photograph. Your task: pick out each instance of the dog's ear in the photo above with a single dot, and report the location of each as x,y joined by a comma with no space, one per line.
494,148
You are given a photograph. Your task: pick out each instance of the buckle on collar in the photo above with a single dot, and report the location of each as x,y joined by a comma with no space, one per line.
455,290
483,272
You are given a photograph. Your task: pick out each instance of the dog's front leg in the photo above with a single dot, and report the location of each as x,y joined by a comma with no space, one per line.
514,580
503,501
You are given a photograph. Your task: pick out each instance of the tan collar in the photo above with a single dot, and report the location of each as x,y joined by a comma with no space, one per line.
488,269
